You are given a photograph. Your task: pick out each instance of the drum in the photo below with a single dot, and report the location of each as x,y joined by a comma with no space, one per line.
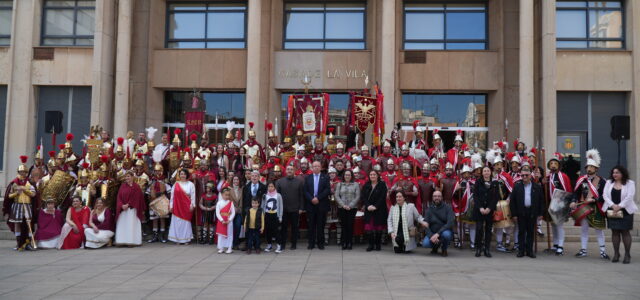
160,206
502,216
559,207
581,211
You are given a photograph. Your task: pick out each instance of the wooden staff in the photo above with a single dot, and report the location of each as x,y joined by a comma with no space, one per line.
545,189
33,237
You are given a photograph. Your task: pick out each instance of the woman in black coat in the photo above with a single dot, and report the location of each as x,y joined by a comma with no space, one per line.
374,200
484,204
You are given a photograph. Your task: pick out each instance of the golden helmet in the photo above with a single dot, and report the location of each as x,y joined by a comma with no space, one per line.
277,168
251,133
23,167
158,167
339,146
176,136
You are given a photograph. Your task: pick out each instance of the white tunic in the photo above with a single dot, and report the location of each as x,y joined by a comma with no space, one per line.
128,228
180,230
225,242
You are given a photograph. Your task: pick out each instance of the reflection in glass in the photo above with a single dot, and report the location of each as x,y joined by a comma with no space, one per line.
212,25
605,24
589,24
304,26
59,22
67,23
186,26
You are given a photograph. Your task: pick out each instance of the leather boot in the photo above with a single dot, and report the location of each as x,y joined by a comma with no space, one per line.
371,242
18,242
201,238
378,240
478,251
486,252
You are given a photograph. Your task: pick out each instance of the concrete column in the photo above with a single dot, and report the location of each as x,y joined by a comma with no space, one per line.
388,54
526,73
548,91
252,96
123,62
103,64
21,107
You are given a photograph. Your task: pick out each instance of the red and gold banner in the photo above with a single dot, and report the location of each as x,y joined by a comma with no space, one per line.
193,121
364,111
310,112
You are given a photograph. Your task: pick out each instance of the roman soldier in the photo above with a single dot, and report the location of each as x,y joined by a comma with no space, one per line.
52,167
428,181
455,155
276,174
175,152
340,155
187,163
331,142
360,177
267,169
461,196
104,181
407,184
70,157
366,162
203,151
318,154
418,142
556,179
477,165
141,145
285,149
504,183
253,148
160,154
587,204
85,189
158,187
520,151
20,204
107,143
38,170
303,169
390,175
516,164
141,177
119,155
394,141
386,155
447,183
437,150
272,140
301,140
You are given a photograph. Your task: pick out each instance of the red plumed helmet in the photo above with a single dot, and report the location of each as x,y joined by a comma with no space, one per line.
139,155
534,150
104,158
52,153
85,165
69,137
332,129
61,146
23,159
269,126
286,132
435,131
500,144
464,147
177,131
515,143
193,137
251,125
38,148
415,124
459,132
120,140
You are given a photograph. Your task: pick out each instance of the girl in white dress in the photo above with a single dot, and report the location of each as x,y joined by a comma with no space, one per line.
181,205
225,212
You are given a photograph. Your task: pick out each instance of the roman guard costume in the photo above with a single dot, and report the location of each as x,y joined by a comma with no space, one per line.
455,155
418,142
390,176
428,182
85,189
158,191
462,195
409,185
447,183
588,201
406,158
367,162
253,148
503,223
437,151
556,179
20,205
38,170
331,142
340,155
286,150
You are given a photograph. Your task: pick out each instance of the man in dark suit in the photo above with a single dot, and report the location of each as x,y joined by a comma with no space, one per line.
316,196
253,188
527,206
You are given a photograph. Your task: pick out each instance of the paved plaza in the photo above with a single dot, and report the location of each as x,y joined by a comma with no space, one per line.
182,272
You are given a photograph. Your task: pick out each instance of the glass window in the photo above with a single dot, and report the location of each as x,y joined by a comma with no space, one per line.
5,23
445,26
338,106
3,115
325,25
206,25
589,24
68,23
221,105
449,112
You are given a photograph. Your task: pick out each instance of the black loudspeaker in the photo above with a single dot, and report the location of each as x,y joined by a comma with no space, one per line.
53,121
620,127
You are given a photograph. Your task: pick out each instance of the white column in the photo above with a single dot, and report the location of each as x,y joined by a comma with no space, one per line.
633,155
549,72
388,61
103,65
526,72
21,107
252,96
123,62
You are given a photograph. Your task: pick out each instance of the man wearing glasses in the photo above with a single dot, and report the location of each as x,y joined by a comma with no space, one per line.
527,205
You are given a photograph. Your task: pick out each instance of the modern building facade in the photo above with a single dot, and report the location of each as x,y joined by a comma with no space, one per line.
549,72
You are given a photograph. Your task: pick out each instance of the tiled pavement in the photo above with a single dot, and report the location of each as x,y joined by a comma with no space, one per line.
180,272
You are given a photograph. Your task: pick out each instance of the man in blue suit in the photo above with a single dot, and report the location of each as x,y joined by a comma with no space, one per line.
316,196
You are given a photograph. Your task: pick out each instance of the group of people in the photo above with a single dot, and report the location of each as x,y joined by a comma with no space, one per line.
234,194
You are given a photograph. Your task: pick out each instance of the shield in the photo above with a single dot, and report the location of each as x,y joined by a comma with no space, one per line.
364,111
93,149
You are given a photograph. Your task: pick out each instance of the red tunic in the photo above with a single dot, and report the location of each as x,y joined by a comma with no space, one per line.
81,218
